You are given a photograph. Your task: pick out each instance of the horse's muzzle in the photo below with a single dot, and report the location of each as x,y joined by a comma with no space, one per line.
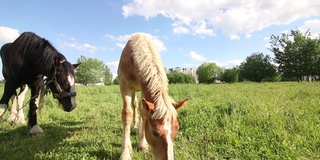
69,109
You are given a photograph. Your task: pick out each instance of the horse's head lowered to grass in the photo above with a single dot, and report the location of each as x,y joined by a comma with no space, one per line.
160,132
62,84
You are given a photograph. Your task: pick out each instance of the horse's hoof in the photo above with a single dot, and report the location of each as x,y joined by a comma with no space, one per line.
38,134
125,155
36,131
11,119
20,121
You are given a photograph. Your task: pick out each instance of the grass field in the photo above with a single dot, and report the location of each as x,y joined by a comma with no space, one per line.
221,121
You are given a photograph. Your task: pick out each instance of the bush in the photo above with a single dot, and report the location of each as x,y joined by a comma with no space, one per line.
272,79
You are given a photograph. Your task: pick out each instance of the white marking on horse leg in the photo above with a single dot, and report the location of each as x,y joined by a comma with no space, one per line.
36,131
126,121
72,89
167,126
13,112
3,108
20,116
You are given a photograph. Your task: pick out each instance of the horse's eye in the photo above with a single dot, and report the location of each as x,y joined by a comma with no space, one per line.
155,133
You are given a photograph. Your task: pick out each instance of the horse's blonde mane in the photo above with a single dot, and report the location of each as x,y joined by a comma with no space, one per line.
151,71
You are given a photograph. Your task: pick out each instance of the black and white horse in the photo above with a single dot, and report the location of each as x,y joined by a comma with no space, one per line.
26,61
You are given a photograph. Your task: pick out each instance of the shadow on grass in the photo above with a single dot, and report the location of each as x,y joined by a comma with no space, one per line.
18,144
102,154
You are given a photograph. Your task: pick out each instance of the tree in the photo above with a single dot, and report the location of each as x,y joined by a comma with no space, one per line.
171,78
188,78
177,77
208,72
257,67
116,81
230,75
91,71
107,76
298,55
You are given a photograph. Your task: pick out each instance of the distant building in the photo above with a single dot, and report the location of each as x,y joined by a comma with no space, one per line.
190,71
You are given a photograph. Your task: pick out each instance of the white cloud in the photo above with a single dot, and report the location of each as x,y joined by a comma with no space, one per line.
159,44
234,37
266,38
313,25
181,30
203,17
201,29
229,64
8,35
113,64
86,47
193,55
122,40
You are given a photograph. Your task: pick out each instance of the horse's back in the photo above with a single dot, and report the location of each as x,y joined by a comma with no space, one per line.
4,53
127,70
136,53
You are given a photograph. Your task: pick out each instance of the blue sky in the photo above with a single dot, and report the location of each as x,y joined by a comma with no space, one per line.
187,33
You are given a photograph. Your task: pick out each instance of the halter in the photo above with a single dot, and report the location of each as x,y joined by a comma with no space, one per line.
61,93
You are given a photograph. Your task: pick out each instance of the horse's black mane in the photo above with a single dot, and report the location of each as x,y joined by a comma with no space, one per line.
41,52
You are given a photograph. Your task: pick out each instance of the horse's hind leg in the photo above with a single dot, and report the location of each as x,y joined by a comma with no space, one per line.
9,90
13,112
135,110
16,115
21,97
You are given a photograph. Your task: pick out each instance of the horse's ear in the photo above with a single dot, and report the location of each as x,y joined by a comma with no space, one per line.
57,61
75,65
147,105
179,104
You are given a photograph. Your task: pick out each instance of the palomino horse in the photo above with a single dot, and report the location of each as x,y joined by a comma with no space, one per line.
26,61
141,69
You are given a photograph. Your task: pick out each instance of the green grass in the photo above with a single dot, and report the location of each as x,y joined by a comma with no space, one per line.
221,121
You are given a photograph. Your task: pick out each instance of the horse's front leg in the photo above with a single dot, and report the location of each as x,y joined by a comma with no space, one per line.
143,144
127,114
35,130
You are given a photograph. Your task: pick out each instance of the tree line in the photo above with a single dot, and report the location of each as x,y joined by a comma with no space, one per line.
296,58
